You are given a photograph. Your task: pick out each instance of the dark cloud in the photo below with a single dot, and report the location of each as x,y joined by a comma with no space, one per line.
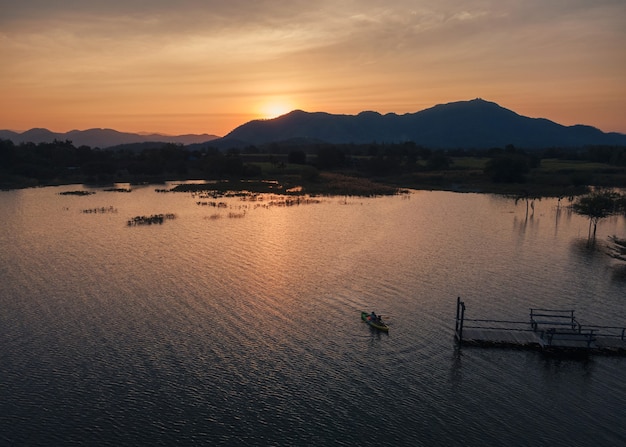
240,12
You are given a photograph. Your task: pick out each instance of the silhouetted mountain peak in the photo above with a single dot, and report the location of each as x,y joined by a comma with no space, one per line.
38,132
463,124
477,105
369,113
476,123
296,112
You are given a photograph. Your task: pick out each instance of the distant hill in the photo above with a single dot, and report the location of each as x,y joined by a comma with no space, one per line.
465,124
101,138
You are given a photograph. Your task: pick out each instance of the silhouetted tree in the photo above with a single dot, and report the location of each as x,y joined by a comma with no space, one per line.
508,168
438,160
330,157
529,199
612,155
7,153
297,157
597,205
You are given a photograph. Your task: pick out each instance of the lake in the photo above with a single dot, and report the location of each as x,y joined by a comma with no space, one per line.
236,321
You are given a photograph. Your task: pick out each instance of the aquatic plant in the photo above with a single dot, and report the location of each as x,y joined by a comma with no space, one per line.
118,190
150,220
76,193
100,210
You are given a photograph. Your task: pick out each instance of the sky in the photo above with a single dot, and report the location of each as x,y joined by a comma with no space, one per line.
208,66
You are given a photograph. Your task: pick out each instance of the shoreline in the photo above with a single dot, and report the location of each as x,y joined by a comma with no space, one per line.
330,184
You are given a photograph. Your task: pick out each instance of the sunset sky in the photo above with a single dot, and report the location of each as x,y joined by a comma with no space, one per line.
207,66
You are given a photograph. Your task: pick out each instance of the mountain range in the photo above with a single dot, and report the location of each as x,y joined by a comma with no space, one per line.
101,138
463,124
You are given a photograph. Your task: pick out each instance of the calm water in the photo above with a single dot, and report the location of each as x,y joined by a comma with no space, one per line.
240,324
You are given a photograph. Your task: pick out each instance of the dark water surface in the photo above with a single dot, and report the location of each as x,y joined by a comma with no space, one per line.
240,324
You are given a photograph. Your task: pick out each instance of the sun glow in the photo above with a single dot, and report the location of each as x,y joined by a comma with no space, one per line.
272,109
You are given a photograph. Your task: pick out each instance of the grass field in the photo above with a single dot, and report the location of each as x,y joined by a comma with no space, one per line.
552,178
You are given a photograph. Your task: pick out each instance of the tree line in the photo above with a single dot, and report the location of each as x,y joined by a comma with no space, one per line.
61,161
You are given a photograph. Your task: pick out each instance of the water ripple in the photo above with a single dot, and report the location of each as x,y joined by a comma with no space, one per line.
247,331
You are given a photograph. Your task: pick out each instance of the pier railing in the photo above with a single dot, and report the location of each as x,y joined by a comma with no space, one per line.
553,318
616,332
564,323
556,330
489,324
568,338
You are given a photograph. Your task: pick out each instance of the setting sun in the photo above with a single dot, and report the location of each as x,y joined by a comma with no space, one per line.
274,109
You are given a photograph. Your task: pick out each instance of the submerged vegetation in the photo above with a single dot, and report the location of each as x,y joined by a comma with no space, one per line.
100,210
150,220
118,190
599,205
76,193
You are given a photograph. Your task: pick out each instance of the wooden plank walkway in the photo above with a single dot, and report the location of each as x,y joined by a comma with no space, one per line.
610,345
557,331
478,336
532,340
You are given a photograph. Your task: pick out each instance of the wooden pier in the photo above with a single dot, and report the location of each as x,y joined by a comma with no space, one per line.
547,330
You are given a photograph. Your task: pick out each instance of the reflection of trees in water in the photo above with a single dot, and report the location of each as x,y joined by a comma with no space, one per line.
617,250
591,252
619,273
589,248
529,200
530,203
522,224
528,221
594,251
562,210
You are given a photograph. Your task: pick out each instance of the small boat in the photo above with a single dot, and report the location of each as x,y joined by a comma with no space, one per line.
375,323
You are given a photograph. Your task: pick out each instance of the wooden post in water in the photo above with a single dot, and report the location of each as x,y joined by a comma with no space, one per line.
456,321
460,315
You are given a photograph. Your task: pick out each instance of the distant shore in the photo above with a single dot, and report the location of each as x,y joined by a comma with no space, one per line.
357,170
553,178
340,184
